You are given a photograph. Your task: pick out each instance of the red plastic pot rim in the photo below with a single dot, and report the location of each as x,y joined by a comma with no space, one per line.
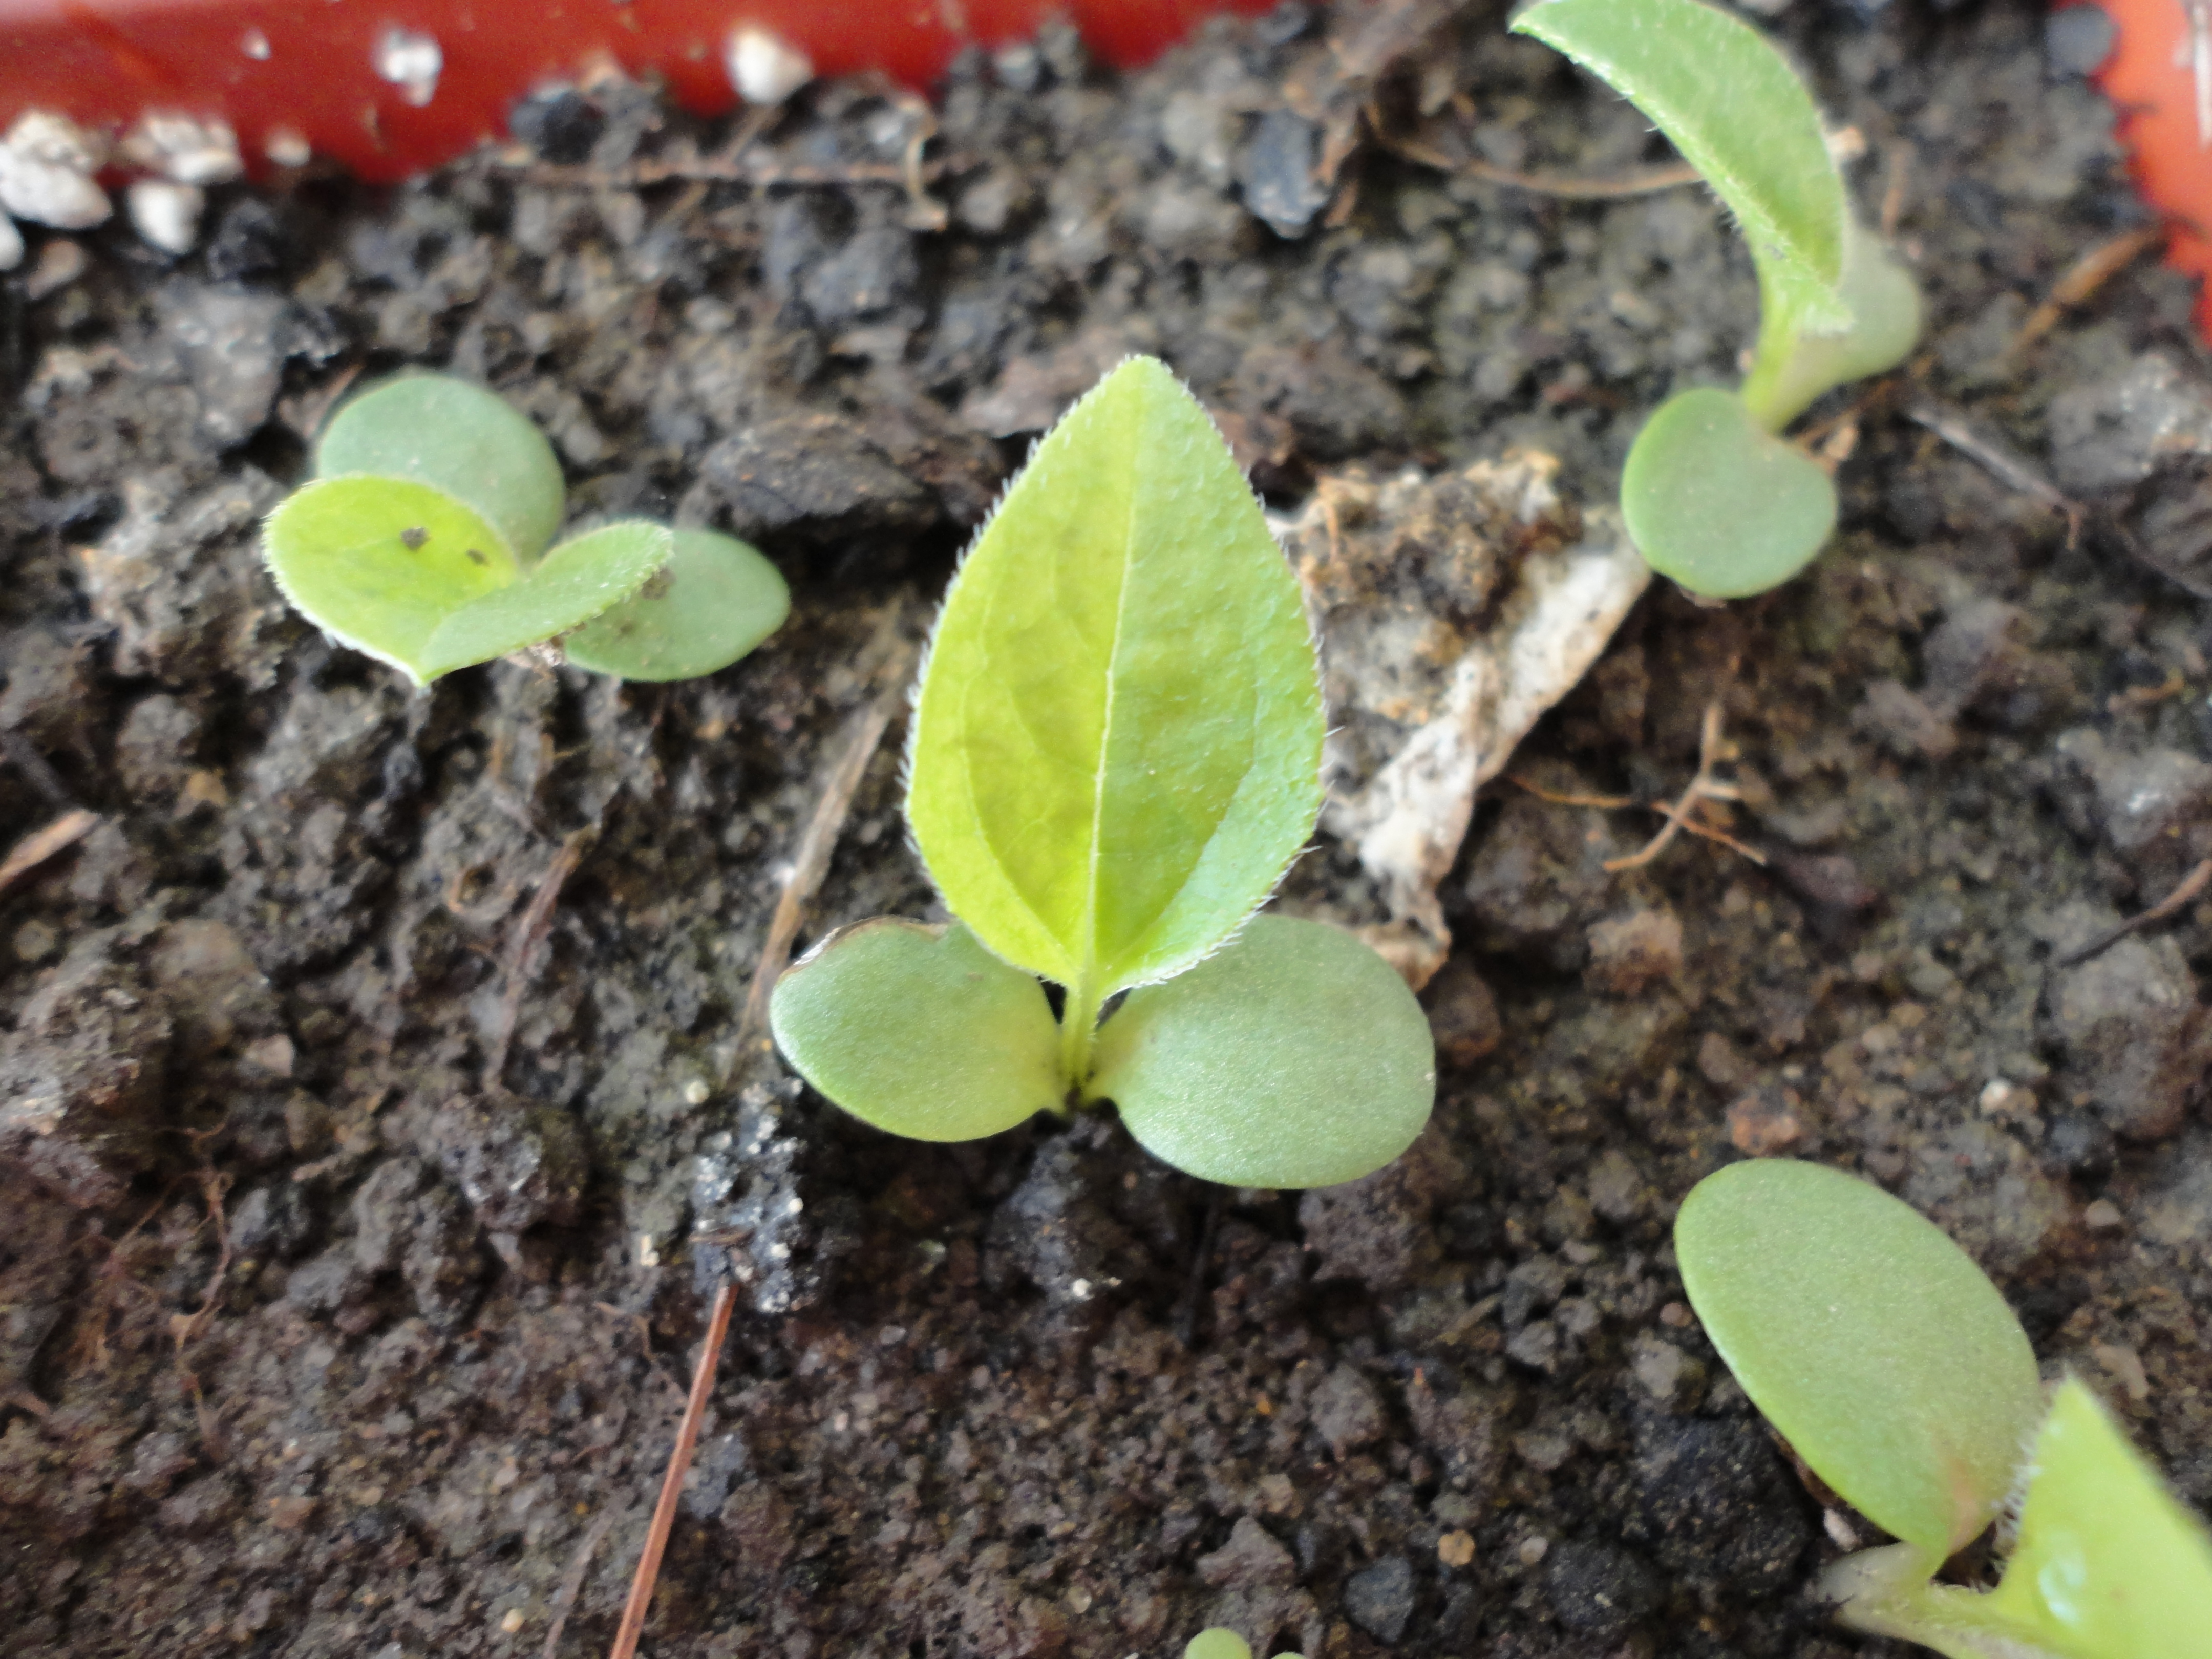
390,87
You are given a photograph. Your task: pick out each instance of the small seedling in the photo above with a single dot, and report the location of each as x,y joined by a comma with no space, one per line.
423,539
1711,494
1115,754
1889,1362
1222,1643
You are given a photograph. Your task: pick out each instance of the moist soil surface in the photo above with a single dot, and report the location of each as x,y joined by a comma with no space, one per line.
399,1120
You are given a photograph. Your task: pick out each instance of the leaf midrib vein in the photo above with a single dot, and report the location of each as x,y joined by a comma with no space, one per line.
1088,941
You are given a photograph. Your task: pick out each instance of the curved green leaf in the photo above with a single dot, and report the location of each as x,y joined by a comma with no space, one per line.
1738,114
579,580
1718,502
1872,1342
465,440
1219,1643
1117,746
1295,1057
380,563
2108,1566
716,600
919,1030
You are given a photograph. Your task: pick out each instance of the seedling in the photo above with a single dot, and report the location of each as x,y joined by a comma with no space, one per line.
1878,1349
423,542
1711,494
1116,753
1222,1643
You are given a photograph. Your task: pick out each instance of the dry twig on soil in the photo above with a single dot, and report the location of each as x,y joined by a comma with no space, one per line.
671,1488
1637,181
1712,750
1997,458
812,861
522,943
2191,885
572,1583
36,848
864,734
1679,816
2080,281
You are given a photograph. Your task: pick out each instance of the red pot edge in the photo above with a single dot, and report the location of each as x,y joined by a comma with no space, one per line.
2154,91
261,65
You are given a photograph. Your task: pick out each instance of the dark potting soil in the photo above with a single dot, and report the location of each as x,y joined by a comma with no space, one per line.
395,1122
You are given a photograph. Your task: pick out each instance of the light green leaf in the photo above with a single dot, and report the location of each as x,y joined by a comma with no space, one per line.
1117,746
1295,1057
460,438
2107,1564
1219,1643
1738,114
378,563
919,1030
716,600
1873,1344
1718,502
1790,371
582,577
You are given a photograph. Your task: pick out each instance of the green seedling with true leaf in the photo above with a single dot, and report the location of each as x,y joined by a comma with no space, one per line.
1116,753
426,538
1876,1347
1711,493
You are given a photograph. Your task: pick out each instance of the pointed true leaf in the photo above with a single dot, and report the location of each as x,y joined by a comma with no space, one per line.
715,601
919,1030
2104,1565
2107,1566
1871,1342
1294,1057
1718,502
378,563
581,578
1738,114
1117,746
465,440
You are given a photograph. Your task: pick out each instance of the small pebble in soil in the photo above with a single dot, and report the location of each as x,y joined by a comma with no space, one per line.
1380,1600
559,122
1252,1557
2077,38
165,213
1278,172
1766,1121
1632,951
1601,1591
1714,1503
1463,1014
2134,1036
765,68
410,61
46,167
